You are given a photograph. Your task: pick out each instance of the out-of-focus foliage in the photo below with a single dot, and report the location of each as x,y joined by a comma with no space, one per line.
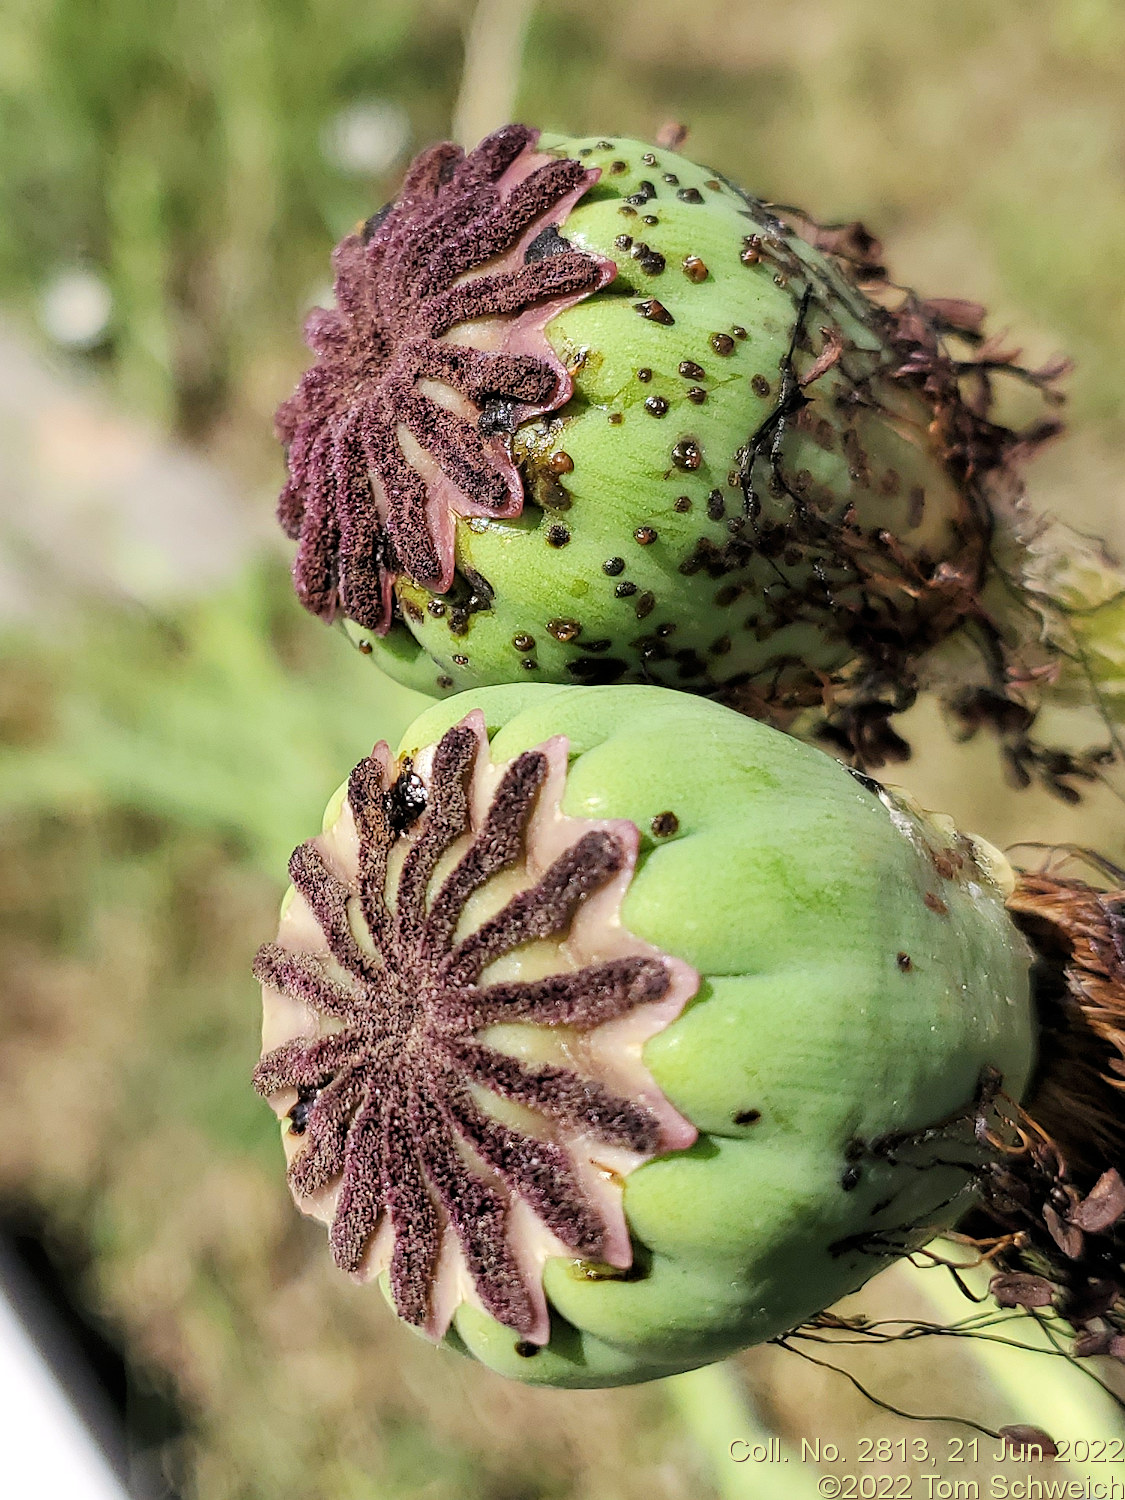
186,150
234,719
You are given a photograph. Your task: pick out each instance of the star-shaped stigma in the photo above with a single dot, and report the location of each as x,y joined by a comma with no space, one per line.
450,909
432,356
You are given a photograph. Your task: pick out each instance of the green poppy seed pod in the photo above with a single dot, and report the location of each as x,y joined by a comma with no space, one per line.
612,1031
586,412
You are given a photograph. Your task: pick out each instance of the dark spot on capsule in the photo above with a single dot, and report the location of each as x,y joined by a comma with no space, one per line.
460,661
649,219
650,261
547,492
404,801
646,603
849,1178
585,150
528,665
855,1149
603,146
689,195
917,506
781,281
630,213
729,593
602,645
560,463
671,179
615,419
624,242
694,268
682,504
557,536
936,904
760,385
722,646
687,454
649,159
625,590
299,1114
666,629
458,620
738,331
444,682
751,250
411,610
645,191
716,506
746,1116
656,406
617,167
644,374
523,642
613,566
364,648
564,630
524,1348
905,962
713,184
645,535
889,483
497,416
722,343
655,311
690,370
696,395
374,221
547,242
664,825
597,671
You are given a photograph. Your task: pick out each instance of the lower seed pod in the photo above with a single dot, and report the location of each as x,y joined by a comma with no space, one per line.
613,1031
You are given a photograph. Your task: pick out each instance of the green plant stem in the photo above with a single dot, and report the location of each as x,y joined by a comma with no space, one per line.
714,1406
490,77
1043,1389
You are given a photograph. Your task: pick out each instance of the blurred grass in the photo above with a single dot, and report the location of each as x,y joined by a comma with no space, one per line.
156,767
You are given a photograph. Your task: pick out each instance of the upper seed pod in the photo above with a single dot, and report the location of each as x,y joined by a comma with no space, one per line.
585,412
614,1031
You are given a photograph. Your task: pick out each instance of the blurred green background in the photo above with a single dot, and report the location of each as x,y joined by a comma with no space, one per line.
172,178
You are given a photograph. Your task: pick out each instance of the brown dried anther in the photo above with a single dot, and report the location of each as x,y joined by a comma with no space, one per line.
432,356
933,353
431,1150
1058,1195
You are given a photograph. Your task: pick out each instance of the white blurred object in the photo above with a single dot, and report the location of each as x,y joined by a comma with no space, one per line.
367,137
48,1451
75,307
92,501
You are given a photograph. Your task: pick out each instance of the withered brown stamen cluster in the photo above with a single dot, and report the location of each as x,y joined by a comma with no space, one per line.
1058,1195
